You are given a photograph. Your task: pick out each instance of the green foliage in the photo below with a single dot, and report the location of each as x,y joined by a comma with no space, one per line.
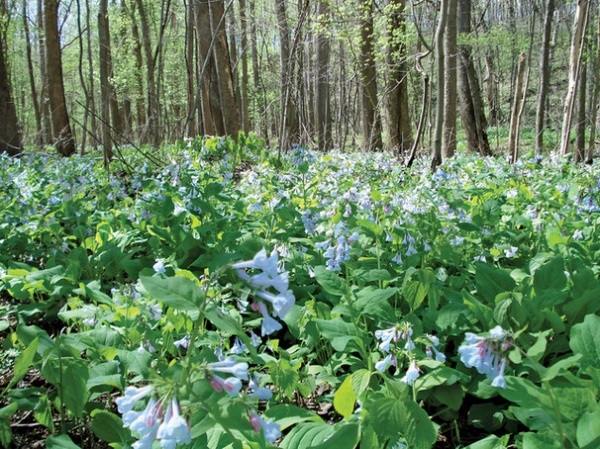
116,281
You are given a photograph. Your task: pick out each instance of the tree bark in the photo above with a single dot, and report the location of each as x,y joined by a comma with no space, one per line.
34,94
152,127
105,74
229,107
544,77
10,133
289,128
579,153
63,138
323,105
191,130
579,26
440,60
45,92
471,106
399,129
450,45
595,94
245,77
371,119
513,137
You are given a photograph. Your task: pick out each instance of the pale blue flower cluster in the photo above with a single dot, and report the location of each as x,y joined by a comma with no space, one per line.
487,354
153,423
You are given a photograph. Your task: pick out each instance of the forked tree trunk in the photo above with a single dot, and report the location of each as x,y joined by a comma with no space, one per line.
63,138
513,138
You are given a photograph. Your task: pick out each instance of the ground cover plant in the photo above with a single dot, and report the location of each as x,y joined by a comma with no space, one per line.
217,296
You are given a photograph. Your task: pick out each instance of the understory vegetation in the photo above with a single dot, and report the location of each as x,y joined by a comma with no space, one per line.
218,296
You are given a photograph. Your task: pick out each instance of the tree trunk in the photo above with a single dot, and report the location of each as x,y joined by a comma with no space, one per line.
63,138
449,131
323,106
371,119
579,154
513,137
594,102
544,77
10,134
34,94
471,106
245,78
45,92
105,89
579,26
399,129
229,109
91,96
152,127
191,130
440,61
289,129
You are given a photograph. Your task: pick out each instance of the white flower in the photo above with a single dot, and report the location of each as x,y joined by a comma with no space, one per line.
231,385
148,420
262,394
182,343
230,366
412,373
386,336
159,266
499,380
132,395
174,430
282,303
261,262
269,325
238,347
384,364
512,252
271,430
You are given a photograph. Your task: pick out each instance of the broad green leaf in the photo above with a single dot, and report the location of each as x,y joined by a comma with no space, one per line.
588,429
390,417
330,281
337,331
345,398
492,281
360,381
287,415
541,441
307,435
372,301
346,437
177,292
24,361
61,442
585,340
109,427
551,276
490,442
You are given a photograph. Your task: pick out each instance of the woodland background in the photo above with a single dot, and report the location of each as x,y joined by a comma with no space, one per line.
392,74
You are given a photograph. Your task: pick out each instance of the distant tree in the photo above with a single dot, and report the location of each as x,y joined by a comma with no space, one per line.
371,118
544,76
61,128
440,62
450,45
397,115
10,134
322,100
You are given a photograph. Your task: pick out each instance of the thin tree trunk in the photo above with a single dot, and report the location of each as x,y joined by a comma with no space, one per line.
440,60
544,77
189,70
34,94
63,138
594,102
323,104
104,42
45,93
371,119
513,137
450,45
579,154
579,26
245,78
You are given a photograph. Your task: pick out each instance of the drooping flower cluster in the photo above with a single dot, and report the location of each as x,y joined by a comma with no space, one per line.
488,355
153,423
269,278
404,332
